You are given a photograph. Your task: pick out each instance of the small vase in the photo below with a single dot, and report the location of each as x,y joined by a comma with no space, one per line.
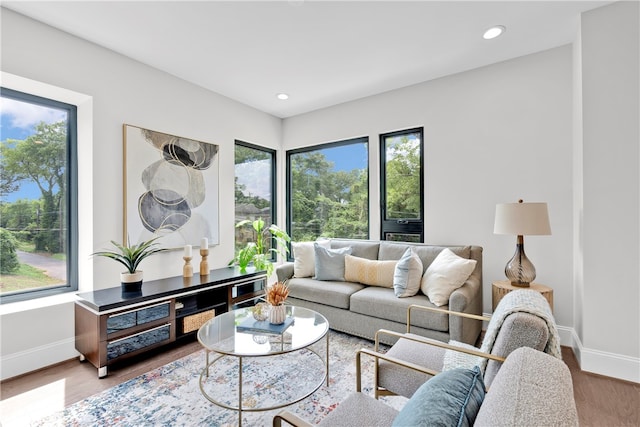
277,314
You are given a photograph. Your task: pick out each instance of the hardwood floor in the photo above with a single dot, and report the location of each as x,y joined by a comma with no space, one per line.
601,401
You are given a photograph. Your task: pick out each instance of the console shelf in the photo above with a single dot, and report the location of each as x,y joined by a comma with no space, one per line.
112,326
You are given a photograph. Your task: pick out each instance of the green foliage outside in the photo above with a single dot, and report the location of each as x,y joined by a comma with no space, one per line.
8,259
403,177
33,225
326,202
41,159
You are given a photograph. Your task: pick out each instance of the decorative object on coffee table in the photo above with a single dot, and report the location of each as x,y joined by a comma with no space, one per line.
521,219
131,256
260,311
276,295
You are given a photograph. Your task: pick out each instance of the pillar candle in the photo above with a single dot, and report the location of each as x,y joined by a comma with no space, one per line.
187,250
204,244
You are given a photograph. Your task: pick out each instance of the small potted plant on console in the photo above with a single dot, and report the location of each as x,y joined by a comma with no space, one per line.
131,256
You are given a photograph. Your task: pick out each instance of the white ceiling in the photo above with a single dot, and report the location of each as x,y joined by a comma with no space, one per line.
321,53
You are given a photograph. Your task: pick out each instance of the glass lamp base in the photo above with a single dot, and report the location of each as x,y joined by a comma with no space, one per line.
519,270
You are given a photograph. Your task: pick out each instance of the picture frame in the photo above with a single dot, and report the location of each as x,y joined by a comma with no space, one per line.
171,188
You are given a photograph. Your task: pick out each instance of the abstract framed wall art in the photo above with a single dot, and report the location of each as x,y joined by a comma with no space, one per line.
171,187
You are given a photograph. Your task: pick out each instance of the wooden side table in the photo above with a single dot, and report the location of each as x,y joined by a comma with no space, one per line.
500,288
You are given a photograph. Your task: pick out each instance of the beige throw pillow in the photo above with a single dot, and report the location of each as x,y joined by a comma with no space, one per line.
445,274
369,272
304,257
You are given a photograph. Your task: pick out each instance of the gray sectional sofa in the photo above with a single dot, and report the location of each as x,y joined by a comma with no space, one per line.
361,310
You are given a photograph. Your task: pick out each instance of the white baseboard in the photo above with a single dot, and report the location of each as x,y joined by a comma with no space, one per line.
605,363
37,358
596,361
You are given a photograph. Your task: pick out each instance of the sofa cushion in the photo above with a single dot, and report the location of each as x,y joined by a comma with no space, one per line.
380,302
336,294
329,263
369,272
361,248
407,274
304,257
427,253
446,274
452,398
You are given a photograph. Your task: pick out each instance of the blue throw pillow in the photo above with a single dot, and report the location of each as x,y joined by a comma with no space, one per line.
330,262
451,398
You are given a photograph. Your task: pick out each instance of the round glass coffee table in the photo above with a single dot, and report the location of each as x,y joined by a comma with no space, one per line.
260,367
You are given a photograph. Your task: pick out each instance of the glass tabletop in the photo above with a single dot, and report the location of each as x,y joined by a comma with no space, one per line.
225,333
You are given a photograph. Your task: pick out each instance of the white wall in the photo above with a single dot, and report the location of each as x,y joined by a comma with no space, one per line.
121,91
610,236
492,135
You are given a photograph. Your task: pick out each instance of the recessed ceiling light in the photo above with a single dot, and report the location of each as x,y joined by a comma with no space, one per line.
494,32
282,96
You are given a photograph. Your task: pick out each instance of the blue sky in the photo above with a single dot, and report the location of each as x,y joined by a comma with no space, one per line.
17,121
347,157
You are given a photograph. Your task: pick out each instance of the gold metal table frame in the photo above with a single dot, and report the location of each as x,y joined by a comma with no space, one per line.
219,335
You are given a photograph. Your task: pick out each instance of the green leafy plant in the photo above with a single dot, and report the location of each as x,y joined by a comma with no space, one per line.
131,255
259,252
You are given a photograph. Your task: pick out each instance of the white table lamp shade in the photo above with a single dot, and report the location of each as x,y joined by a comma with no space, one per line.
522,219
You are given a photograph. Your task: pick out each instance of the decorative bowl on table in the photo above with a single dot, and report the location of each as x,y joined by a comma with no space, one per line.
260,311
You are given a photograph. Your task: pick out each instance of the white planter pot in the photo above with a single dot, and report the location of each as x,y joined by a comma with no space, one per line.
131,282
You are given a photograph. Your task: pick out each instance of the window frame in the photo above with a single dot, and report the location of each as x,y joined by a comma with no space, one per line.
413,226
318,147
274,185
71,202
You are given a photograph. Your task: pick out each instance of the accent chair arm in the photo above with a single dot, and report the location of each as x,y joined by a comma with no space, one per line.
289,418
435,343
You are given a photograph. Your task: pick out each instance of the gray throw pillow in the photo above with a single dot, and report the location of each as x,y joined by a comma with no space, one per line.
451,398
330,262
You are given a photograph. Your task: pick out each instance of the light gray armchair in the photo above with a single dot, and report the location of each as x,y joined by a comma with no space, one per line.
522,319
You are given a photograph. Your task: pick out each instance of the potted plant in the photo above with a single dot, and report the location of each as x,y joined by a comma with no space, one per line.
258,252
131,256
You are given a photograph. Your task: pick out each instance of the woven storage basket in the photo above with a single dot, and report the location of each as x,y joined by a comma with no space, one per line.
193,322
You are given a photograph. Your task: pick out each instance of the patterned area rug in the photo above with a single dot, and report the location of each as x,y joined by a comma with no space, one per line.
171,396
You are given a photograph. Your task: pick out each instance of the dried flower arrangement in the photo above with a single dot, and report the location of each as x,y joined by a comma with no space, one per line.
277,293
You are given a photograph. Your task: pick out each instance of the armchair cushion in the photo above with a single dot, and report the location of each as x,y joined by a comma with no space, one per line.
452,398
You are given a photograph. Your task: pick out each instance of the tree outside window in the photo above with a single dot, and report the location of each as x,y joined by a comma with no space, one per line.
329,191
36,149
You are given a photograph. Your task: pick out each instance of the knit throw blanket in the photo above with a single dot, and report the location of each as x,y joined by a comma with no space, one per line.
523,300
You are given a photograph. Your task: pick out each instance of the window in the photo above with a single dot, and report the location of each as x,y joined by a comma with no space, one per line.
328,191
38,197
255,187
401,186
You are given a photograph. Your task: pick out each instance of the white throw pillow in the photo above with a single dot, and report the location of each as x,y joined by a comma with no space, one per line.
445,274
304,257
407,275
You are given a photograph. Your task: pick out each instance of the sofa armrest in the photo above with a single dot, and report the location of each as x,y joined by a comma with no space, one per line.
466,299
284,271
